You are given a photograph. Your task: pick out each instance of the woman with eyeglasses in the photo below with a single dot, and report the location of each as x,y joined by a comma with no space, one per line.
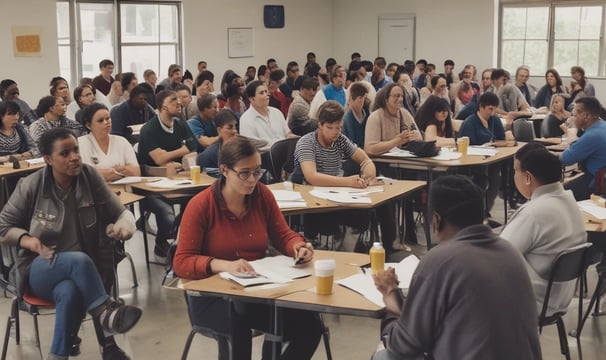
84,95
112,155
223,228
51,110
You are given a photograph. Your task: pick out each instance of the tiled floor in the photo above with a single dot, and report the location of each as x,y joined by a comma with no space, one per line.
164,327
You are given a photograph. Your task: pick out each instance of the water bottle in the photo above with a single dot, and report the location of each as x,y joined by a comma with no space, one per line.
377,258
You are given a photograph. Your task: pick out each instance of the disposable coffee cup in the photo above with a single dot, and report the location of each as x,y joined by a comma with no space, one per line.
324,270
195,174
463,145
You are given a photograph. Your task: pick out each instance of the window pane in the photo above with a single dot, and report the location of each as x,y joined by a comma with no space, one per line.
591,22
514,23
536,56
588,56
538,23
565,55
168,56
139,23
567,22
169,31
62,20
63,40
96,33
512,54
141,57
65,63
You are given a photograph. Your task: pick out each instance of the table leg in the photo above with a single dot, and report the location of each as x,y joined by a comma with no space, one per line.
275,335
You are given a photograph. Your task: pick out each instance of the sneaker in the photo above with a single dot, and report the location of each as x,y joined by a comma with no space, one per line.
75,351
399,246
113,352
118,318
161,248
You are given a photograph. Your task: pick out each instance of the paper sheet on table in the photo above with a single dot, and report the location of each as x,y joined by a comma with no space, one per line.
481,151
165,183
592,209
35,161
399,153
291,204
349,190
448,156
273,269
344,198
287,195
128,180
364,284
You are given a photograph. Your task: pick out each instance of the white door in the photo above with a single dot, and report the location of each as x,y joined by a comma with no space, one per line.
397,38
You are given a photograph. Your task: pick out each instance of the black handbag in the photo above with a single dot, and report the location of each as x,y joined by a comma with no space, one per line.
423,148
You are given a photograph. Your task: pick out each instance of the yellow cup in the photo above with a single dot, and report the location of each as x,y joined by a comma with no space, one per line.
195,174
463,145
325,270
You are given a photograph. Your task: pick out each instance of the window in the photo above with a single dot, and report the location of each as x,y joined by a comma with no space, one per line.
147,36
547,34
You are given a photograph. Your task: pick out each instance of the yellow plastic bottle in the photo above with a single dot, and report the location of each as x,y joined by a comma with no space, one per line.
377,258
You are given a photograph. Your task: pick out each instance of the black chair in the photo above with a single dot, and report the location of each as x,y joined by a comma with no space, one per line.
569,265
281,157
523,130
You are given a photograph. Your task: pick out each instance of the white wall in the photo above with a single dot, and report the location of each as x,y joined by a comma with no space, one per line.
461,30
308,27
31,73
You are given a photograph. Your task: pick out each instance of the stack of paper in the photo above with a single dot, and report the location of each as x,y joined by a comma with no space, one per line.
289,199
364,284
397,152
345,195
166,183
482,151
274,269
448,155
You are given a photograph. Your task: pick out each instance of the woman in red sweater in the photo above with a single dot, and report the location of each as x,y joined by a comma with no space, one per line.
224,227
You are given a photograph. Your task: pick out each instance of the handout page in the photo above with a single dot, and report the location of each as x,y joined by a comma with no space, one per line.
128,180
592,209
338,197
165,183
287,195
363,283
399,153
350,190
481,151
274,269
447,155
35,161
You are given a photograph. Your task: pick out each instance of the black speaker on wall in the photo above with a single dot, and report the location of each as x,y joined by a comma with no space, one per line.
273,16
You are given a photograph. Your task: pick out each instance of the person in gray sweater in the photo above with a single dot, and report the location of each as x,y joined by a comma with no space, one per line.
470,297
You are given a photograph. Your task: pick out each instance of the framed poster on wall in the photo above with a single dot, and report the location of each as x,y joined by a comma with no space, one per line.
240,42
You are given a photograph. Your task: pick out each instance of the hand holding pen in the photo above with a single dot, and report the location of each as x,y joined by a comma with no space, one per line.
303,253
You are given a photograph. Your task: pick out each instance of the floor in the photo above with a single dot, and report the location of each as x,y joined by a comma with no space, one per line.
162,331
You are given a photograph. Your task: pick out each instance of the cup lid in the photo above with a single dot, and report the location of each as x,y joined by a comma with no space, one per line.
326,264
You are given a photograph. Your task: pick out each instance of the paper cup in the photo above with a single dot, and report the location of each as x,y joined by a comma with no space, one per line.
324,270
195,174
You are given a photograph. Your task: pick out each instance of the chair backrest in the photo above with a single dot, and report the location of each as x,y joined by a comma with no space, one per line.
523,130
600,181
570,264
281,156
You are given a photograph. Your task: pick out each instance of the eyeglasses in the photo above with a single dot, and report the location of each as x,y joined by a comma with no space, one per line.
244,175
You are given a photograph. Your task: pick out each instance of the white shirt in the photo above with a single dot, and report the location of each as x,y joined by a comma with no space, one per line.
271,128
120,152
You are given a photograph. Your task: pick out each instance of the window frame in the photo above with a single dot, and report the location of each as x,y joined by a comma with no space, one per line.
76,44
552,5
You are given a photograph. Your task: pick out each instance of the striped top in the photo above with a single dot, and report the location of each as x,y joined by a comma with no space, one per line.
40,126
17,143
328,159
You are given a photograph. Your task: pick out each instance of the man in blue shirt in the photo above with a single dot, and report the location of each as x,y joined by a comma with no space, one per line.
589,150
202,125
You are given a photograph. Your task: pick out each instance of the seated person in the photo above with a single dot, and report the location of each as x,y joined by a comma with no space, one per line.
450,311
203,85
433,118
213,227
261,121
532,229
63,219
184,94
318,158
10,91
112,155
132,112
277,98
227,127
589,150
51,110
14,138
354,122
163,141
481,128
512,104
558,115
202,125
298,118
391,125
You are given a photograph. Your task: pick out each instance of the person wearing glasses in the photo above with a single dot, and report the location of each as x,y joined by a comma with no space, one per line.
223,228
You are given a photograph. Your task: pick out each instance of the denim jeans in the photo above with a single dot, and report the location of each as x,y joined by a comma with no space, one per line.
165,216
73,283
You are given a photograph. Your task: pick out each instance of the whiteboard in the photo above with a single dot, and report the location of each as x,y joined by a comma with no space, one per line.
397,38
240,42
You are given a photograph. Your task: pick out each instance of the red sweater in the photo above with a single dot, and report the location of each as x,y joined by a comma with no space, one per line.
209,230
